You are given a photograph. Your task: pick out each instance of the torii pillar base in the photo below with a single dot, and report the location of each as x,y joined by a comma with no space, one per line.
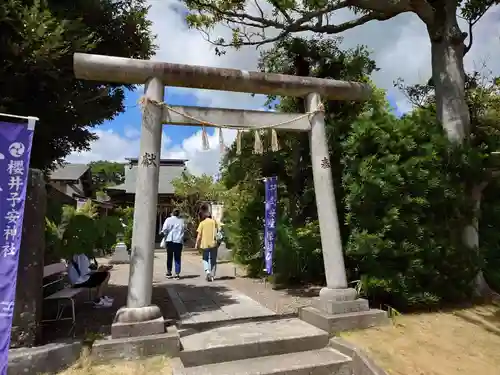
338,310
138,321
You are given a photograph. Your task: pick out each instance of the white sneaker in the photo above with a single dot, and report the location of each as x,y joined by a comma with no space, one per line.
102,304
108,299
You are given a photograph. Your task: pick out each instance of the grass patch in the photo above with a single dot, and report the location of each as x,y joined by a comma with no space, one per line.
455,342
153,365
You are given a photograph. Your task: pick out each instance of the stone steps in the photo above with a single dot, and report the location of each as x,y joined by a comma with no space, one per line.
324,361
250,340
283,346
335,323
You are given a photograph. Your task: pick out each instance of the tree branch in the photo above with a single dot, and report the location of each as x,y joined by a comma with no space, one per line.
472,22
288,18
335,29
471,39
370,10
421,7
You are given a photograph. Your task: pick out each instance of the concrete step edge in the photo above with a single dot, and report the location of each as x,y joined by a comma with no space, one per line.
203,326
312,362
254,349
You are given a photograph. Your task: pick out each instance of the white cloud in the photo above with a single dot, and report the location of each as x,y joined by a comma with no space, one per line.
115,147
202,161
132,132
400,47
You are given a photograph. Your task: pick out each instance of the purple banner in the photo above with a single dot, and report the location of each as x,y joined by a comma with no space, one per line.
271,184
15,149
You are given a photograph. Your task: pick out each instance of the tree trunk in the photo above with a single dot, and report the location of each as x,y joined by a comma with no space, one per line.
448,75
447,52
471,237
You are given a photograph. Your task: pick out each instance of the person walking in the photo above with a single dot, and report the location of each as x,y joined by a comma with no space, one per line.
206,240
173,230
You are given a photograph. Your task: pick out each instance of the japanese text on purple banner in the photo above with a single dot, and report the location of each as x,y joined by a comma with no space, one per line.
271,187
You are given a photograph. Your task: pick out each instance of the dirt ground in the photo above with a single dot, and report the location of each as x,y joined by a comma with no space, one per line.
448,343
154,365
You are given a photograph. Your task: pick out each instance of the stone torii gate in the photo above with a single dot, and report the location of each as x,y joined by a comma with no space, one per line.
336,297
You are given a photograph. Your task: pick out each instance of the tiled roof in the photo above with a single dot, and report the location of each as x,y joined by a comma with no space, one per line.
69,172
167,174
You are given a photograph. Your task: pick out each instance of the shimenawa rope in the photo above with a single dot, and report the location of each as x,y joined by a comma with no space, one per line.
258,148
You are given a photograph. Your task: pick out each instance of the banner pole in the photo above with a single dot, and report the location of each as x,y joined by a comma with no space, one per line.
18,116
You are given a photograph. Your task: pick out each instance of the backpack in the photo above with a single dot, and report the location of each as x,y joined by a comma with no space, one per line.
219,236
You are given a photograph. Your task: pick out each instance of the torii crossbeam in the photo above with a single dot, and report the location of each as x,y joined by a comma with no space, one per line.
336,296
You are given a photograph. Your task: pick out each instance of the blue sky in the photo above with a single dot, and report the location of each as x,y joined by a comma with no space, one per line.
130,120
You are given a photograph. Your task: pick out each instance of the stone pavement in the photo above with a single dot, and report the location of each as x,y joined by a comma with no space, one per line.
198,301
195,300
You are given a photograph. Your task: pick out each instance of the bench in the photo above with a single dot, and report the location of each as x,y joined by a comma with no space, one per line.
65,294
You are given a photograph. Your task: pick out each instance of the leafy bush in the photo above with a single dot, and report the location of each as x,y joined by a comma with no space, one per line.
80,236
81,232
127,216
52,240
243,221
407,207
298,257
107,228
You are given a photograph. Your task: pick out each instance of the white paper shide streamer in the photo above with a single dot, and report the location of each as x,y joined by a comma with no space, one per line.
221,141
239,135
204,138
257,146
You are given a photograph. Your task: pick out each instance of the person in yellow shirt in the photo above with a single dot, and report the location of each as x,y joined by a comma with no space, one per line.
206,240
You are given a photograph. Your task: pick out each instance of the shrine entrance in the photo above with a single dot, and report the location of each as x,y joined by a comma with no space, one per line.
336,296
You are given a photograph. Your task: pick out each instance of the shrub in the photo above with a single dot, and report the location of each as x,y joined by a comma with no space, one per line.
108,228
243,223
298,257
407,207
81,232
127,216
80,236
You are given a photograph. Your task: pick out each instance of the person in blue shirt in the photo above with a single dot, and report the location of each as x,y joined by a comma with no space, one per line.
173,230
81,275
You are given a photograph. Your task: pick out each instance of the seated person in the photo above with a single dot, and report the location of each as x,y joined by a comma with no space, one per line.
81,275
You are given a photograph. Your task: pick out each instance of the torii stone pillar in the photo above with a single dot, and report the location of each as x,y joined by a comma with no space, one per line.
325,199
337,307
146,198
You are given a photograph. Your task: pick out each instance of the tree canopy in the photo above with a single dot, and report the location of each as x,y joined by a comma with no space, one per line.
37,42
107,173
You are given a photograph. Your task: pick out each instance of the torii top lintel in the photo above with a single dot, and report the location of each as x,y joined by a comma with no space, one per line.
132,71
